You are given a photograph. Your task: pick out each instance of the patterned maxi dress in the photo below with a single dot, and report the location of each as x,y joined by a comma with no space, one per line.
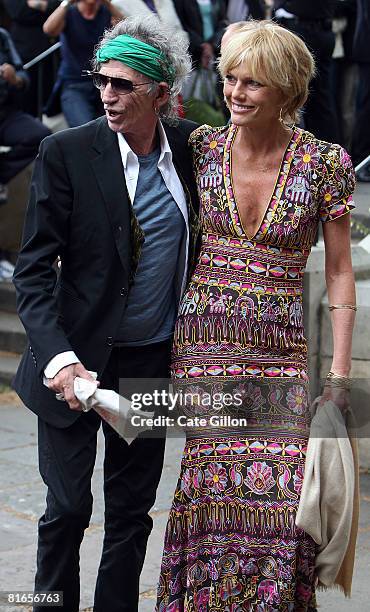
231,542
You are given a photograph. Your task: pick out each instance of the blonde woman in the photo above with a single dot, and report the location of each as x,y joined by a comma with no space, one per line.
231,542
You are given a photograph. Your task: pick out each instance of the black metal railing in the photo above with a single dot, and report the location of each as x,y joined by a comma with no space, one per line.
365,162
38,61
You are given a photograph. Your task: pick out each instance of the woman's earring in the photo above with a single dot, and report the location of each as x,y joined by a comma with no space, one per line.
281,119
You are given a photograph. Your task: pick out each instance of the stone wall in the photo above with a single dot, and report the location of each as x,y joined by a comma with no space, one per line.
319,335
12,213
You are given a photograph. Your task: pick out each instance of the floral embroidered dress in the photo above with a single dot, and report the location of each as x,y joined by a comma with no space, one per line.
231,542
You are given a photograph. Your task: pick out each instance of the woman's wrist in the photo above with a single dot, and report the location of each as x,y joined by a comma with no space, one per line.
334,379
341,370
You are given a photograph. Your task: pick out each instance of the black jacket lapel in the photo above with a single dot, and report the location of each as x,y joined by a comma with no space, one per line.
110,176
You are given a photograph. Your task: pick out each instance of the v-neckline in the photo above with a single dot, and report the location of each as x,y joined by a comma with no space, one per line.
278,188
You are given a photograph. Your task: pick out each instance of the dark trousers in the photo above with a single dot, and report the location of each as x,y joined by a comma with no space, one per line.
319,114
80,102
361,133
131,476
23,134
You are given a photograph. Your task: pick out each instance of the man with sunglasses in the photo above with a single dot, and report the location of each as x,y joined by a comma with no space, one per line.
115,199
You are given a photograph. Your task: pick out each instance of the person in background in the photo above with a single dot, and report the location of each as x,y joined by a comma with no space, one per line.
205,22
361,55
80,25
231,29
28,17
20,133
312,21
164,9
344,82
240,10
4,17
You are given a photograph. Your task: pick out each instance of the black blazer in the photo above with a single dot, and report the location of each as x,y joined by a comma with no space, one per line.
79,209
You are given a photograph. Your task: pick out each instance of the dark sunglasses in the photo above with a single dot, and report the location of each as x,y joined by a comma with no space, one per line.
119,85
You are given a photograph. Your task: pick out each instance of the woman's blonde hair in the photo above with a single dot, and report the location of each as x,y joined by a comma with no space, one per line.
275,57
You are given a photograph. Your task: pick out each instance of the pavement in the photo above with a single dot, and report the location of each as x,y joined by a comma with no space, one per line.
22,495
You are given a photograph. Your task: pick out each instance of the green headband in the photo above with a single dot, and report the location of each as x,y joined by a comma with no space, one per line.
137,55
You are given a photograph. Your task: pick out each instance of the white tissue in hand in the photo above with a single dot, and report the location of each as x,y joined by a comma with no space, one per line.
111,406
84,390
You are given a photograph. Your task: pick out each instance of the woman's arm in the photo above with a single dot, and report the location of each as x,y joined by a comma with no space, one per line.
56,22
341,290
116,13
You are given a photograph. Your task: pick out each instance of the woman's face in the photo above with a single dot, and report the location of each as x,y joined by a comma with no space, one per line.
251,103
89,6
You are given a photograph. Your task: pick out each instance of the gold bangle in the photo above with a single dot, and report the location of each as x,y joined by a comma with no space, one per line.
337,380
340,306
339,385
332,374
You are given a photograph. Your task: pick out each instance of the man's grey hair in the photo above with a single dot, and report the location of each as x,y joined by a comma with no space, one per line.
172,44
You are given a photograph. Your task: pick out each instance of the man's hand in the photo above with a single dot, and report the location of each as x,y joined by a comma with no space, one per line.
63,383
8,73
207,55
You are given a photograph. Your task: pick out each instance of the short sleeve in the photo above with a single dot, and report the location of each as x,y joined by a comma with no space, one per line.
338,184
197,136
196,143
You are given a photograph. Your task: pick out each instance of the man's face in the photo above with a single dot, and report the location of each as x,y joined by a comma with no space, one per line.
127,113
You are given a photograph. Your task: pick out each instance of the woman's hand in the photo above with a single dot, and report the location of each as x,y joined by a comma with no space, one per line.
38,5
338,395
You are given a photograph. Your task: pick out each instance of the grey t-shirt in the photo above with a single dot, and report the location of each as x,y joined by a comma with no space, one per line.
151,307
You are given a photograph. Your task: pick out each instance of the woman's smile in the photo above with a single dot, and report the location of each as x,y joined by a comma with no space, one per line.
236,107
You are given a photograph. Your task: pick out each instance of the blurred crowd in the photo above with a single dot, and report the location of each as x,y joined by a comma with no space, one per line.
336,31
